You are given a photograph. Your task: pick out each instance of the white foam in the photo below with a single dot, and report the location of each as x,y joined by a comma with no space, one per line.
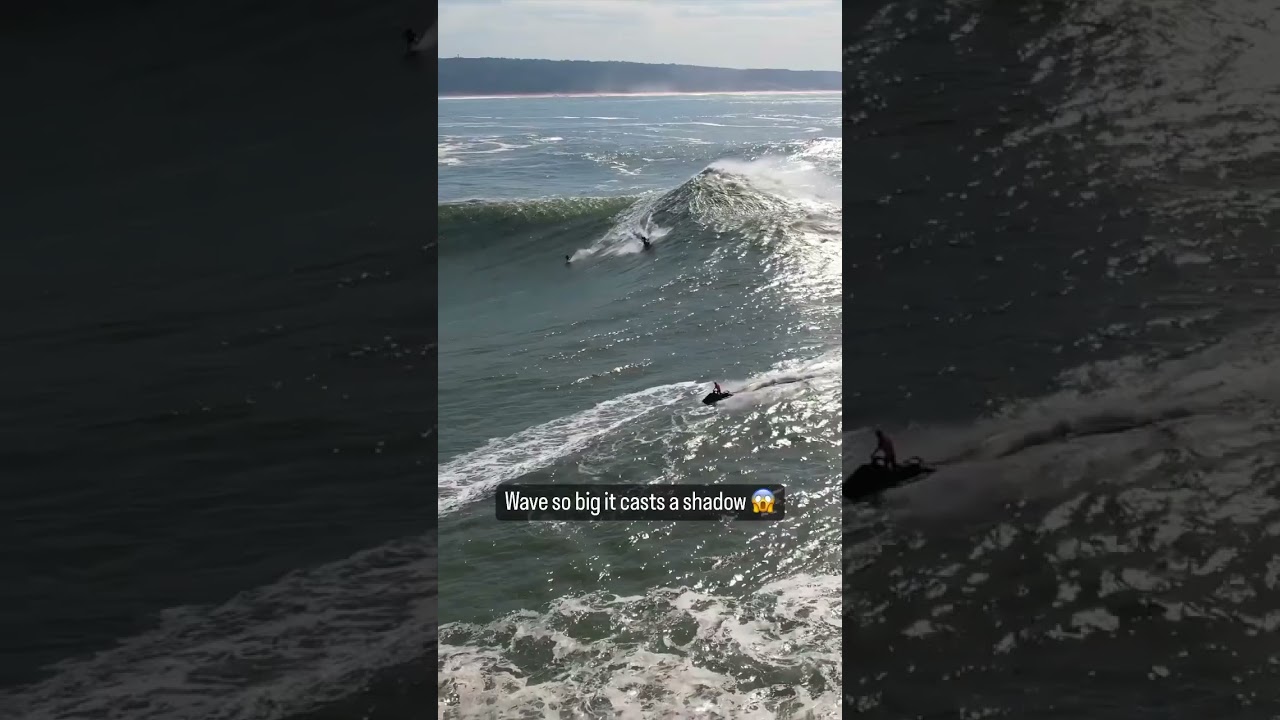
310,638
790,190
793,178
709,646
469,476
788,380
1095,619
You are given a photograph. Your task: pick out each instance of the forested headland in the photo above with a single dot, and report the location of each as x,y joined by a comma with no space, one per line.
502,76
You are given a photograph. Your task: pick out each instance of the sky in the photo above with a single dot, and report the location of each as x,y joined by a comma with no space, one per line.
775,34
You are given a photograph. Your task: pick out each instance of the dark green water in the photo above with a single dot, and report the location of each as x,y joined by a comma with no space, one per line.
592,371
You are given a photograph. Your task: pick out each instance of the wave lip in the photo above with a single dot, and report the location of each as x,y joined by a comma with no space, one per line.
757,186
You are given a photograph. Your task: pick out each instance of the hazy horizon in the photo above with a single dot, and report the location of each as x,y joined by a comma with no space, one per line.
797,35
633,62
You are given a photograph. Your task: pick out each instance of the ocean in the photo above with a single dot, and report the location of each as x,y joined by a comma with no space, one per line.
570,354
1060,288
217,322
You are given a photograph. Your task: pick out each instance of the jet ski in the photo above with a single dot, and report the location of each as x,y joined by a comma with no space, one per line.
876,476
714,397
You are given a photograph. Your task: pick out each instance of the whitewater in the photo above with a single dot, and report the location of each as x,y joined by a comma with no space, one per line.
593,370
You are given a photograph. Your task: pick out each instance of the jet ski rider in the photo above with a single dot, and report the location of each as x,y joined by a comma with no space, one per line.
884,447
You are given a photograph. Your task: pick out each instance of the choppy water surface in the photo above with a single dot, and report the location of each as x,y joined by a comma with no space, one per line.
216,414
593,371
1066,258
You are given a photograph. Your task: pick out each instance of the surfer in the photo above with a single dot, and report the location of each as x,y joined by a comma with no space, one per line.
884,448
567,261
643,239
410,39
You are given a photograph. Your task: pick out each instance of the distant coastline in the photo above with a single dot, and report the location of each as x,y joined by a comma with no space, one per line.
517,96
502,77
